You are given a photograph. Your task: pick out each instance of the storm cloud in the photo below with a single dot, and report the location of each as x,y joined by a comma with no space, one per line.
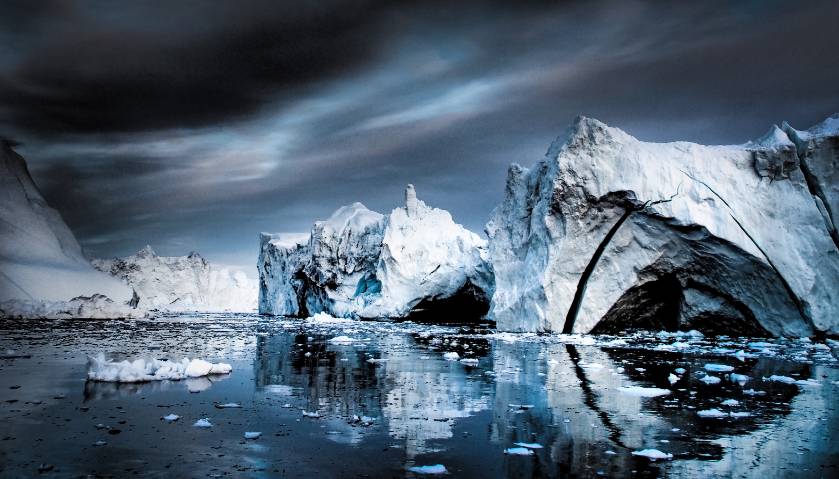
195,125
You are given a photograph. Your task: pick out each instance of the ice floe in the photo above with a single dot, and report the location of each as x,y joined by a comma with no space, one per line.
204,423
652,454
518,451
719,368
149,369
252,435
171,417
433,469
643,392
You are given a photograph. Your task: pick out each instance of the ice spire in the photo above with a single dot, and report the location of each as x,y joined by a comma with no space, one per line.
411,200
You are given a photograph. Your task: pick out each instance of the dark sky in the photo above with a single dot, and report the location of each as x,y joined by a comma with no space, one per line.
193,125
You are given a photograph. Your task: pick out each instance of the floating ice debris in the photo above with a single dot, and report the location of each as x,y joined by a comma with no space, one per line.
780,379
252,435
680,370
719,368
325,318
100,426
451,356
708,379
752,392
620,370
203,423
144,370
469,361
611,453
640,370
171,417
520,406
342,340
808,382
731,402
100,443
711,413
741,414
228,405
673,378
376,360
434,469
738,378
518,451
716,413
643,392
528,445
313,414
652,454
741,355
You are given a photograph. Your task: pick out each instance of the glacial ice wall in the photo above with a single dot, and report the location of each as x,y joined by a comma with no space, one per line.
608,232
359,263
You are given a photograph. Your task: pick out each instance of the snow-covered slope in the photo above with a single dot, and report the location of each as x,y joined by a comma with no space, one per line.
182,283
609,232
40,259
359,263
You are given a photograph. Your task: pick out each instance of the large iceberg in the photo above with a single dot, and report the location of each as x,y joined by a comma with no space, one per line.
182,283
414,262
608,232
42,267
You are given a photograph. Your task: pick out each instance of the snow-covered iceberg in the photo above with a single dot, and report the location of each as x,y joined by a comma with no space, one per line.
182,283
608,232
415,262
41,263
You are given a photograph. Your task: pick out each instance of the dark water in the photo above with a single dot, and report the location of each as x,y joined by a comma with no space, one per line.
389,400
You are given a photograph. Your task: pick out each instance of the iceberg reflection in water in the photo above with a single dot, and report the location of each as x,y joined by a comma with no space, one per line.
388,398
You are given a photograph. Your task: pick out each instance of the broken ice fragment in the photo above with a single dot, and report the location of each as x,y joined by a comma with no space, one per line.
171,417
434,469
644,392
252,435
518,451
719,368
652,454
205,422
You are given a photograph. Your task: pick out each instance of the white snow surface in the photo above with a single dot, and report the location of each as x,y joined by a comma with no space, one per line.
40,260
183,283
362,264
148,369
732,227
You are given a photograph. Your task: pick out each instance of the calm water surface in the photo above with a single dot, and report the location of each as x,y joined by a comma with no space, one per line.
390,399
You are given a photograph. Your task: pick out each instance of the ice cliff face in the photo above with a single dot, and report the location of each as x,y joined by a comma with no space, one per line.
40,259
182,283
609,232
414,262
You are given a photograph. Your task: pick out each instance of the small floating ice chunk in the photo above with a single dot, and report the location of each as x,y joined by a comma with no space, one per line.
434,469
451,356
652,454
738,378
673,378
644,392
518,451
611,453
313,414
708,379
719,368
342,340
205,422
711,413
752,392
326,318
171,417
100,443
780,379
228,405
252,435
528,445
680,370
741,414
469,361
731,402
